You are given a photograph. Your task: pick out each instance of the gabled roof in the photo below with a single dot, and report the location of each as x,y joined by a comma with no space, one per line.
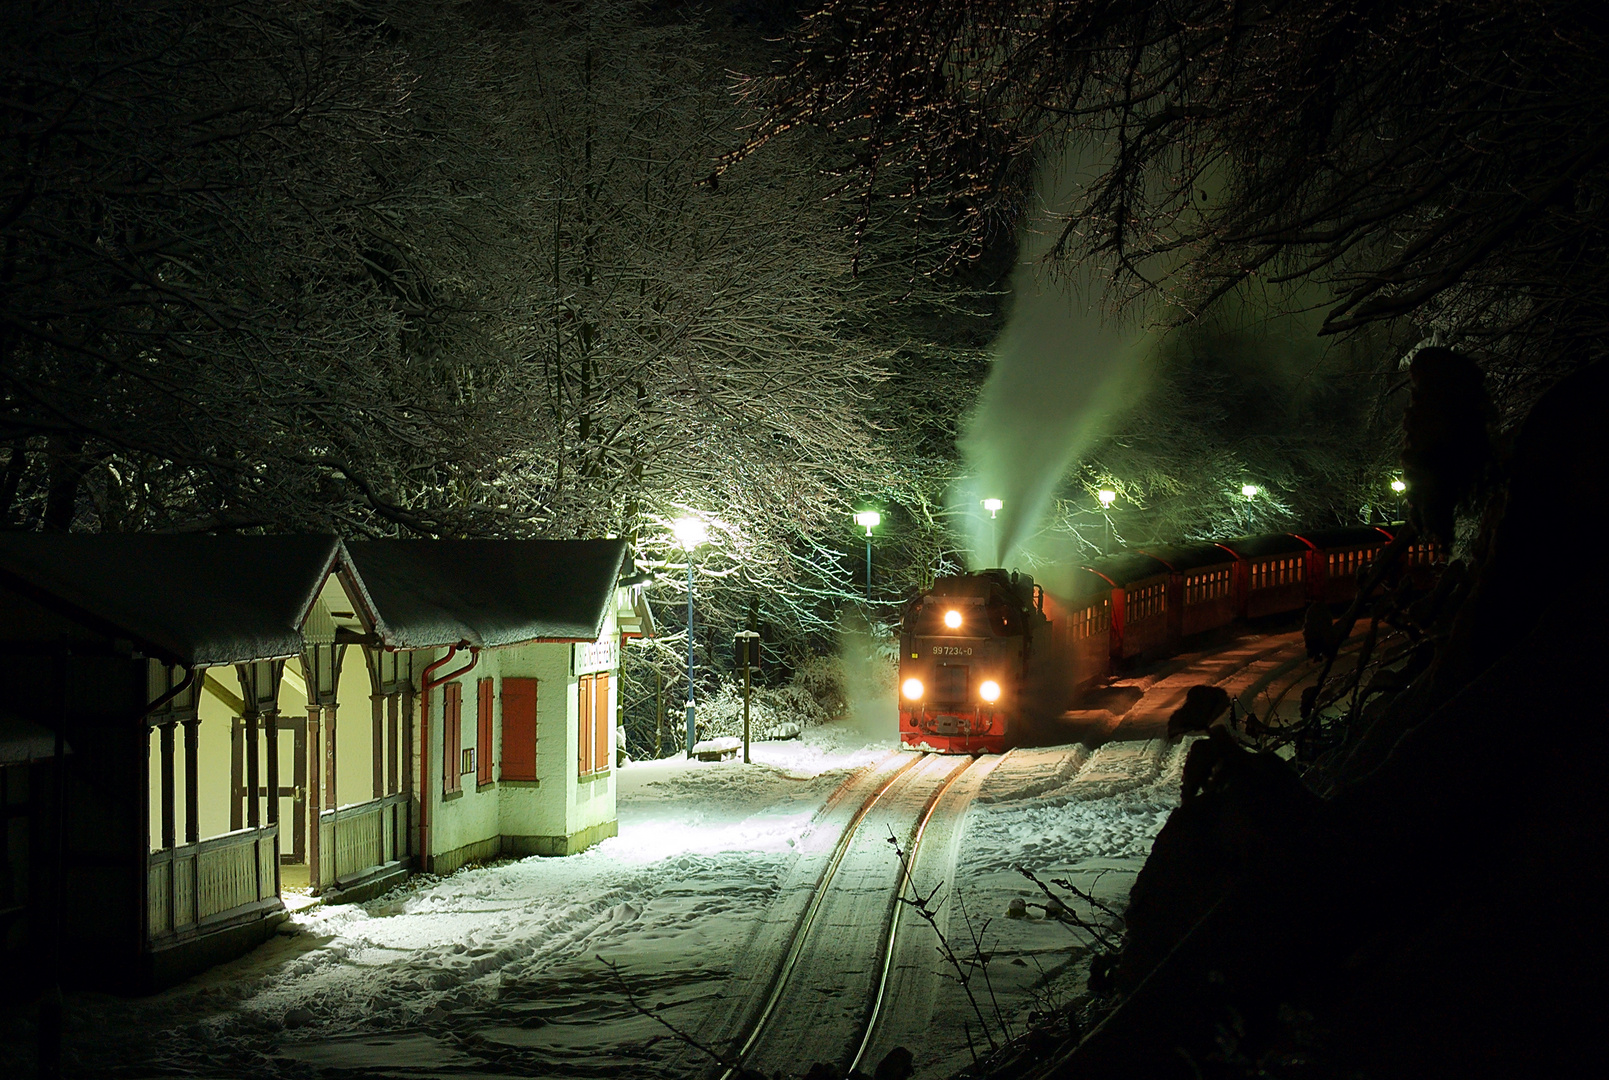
194,600
430,593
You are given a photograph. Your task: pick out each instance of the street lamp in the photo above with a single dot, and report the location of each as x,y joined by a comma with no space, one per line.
868,520
1107,497
690,532
994,506
1249,490
1398,486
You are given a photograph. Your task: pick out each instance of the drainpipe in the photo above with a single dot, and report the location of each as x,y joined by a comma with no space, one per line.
427,683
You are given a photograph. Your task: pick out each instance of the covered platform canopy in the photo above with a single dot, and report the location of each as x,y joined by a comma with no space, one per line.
197,600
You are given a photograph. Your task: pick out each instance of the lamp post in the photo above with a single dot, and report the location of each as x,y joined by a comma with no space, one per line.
994,506
1250,491
868,520
690,533
1107,497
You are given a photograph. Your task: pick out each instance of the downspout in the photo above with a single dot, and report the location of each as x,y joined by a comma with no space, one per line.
428,683
183,685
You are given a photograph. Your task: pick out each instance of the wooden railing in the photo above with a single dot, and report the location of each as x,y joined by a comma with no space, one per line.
356,841
212,882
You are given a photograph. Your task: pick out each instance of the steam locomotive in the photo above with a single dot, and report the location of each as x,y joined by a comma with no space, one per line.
983,655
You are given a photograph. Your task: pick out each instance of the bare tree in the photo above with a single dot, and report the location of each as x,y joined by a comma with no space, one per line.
1434,161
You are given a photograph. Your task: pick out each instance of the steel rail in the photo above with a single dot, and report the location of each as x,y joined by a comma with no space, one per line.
785,969
874,1016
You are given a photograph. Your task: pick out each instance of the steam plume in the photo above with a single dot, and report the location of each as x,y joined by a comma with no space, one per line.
1059,369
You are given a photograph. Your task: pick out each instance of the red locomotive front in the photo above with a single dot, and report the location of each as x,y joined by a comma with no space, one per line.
964,656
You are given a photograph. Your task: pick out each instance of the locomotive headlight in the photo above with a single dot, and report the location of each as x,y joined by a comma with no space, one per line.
989,691
912,689
952,619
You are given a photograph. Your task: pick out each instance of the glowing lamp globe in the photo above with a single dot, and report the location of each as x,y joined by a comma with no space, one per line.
868,520
1398,486
1249,490
952,619
1107,497
690,532
993,506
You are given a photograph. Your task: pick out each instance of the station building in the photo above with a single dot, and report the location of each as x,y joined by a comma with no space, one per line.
207,727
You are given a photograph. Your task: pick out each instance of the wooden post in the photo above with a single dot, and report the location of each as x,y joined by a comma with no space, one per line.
169,833
271,723
192,782
659,713
314,881
391,744
377,740
406,763
299,792
271,739
254,779
236,781
329,787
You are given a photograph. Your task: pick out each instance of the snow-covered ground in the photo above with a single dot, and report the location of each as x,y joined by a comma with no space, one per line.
506,969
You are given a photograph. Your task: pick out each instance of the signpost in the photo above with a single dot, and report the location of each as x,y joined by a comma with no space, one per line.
746,643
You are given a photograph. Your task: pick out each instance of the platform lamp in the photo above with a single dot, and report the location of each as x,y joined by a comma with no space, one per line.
868,520
690,532
1107,497
994,506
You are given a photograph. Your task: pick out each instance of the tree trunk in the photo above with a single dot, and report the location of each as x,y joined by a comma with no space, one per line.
65,467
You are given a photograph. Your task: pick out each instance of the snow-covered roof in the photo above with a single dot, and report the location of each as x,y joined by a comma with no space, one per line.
430,593
194,600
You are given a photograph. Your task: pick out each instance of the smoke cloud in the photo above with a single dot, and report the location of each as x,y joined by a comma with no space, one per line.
1061,367
870,675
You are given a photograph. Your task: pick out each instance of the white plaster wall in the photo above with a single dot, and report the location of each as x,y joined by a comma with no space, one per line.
557,805
472,816
543,810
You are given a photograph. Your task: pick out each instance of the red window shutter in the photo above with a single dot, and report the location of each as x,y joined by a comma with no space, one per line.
483,732
583,742
600,722
451,735
519,729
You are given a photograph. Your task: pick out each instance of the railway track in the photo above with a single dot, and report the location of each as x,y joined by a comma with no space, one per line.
846,962
843,972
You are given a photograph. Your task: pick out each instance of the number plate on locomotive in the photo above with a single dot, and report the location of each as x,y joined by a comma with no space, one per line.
951,650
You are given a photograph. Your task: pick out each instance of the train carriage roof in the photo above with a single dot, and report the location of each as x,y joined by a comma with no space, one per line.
1255,547
1122,570
1087,587
1183,557
1356,536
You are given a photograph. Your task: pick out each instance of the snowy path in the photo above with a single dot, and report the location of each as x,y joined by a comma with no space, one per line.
500,970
